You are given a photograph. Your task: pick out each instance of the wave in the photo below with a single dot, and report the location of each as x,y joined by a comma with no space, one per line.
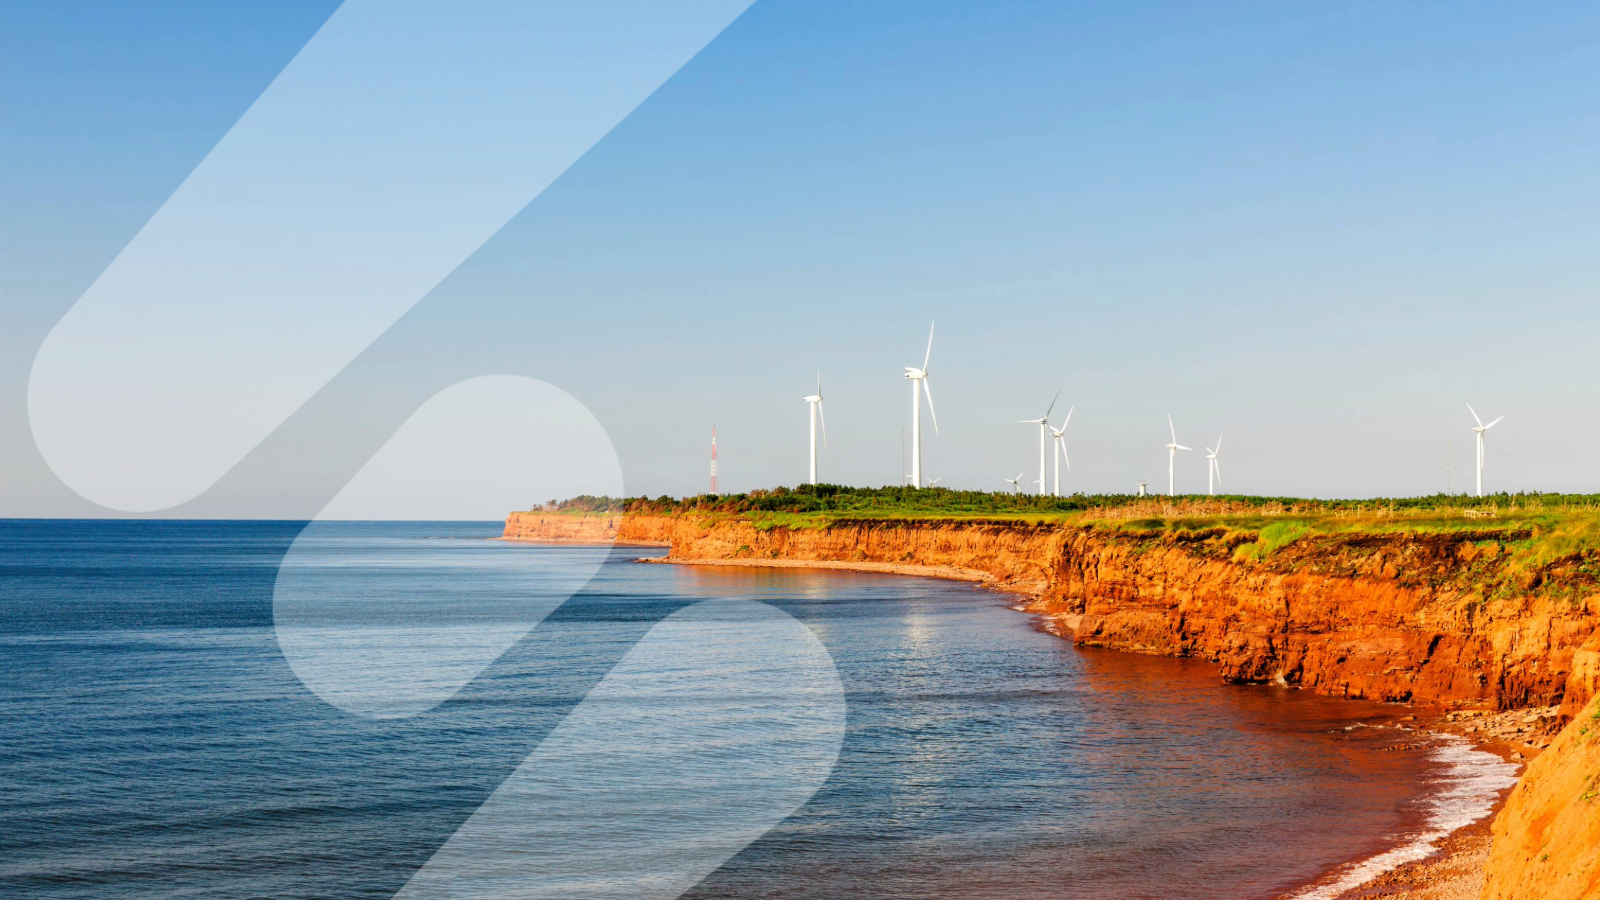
1464,793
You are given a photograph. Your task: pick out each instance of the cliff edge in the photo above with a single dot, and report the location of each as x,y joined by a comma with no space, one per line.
1547,839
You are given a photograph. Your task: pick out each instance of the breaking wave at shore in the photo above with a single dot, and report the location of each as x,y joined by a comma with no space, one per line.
1463,794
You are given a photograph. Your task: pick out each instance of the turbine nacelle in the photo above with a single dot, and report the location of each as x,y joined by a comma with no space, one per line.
1058,432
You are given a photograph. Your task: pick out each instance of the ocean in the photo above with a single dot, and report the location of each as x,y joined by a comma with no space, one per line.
179,719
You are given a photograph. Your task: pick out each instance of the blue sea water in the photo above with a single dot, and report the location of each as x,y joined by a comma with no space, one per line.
156,742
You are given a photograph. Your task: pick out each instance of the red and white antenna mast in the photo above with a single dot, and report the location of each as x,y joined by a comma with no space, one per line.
713,459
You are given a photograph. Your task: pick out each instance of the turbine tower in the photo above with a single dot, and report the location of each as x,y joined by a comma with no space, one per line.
713,459
1044,423
1060,437
1214,469
815,402
1172,456
919,385
1480,430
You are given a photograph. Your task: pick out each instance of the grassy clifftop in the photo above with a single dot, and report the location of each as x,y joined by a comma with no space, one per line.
1549,543
937,502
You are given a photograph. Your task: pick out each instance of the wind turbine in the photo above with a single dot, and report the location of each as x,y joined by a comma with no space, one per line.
1044,423
1480,430
934,481
815,402
1172,456
1060,437
919,384
1015,482
1214,468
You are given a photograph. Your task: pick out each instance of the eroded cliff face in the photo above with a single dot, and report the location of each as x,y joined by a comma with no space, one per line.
1007,554
1547,839
1386,617
1390,617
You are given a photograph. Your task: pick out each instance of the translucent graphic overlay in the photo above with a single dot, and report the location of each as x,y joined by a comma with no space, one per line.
724,719
403,135
379,645
630,797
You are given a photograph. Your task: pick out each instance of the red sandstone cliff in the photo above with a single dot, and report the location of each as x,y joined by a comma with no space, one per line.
576,529
1388,617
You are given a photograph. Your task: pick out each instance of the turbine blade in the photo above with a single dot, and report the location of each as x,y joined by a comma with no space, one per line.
1182,447
1219,472
1474,413
929,355
1171,428
1052,407
928,392
1492,424
1219,444
824,416
1068,418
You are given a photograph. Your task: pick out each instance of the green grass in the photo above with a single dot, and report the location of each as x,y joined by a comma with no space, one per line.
1492,547
1446,511
1272,537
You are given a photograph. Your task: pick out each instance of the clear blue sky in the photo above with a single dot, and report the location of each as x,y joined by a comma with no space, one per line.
1317,230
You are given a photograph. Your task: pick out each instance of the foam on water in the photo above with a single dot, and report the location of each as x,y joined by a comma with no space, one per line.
1463,794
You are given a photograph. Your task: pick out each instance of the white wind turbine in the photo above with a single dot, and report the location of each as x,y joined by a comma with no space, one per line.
1480,430
1044,423
1016,482
1172,456
1215,468
815,402
1060,437
919,385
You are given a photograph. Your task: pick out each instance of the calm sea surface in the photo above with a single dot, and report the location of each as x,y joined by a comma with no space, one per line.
156,743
